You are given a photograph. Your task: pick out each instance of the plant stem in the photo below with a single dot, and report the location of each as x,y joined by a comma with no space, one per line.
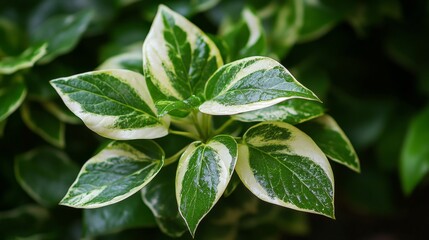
175,157
224,126
206,125
185,134
198,124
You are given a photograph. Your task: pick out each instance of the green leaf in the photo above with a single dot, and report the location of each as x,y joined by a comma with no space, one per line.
292,111
43,123
178,58
320,17
62,33
328,135
202,176
115,173
27,59
250,84
12,94
127,214
174,107
245,38
414,162
282,165
131,61
178,108
113,103
159,196
45,174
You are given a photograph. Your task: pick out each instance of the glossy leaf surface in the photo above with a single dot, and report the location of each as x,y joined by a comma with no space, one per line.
113,103
178,58
202,176
250,84
115,173
292,111
282,165
328,135
178,108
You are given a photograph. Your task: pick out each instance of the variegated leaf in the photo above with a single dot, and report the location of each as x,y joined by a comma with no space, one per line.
115,173
292,111
245,38
27,59
250,84
113,103
178,58
202,176
282,165
328,135
12,94
178,108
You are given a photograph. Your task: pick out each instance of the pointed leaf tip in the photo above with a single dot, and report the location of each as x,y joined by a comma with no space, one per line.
282,165
178,58
202,176
115,173
113,103
250,84
328,135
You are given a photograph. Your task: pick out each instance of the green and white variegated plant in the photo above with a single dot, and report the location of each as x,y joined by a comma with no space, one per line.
184,88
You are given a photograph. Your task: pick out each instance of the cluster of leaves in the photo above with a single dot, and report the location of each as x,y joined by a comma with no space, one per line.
186,84
328,45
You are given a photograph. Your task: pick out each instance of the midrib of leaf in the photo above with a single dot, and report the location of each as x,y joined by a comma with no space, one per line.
202,69
113,100
256,89
133,173
198,170
294,173
117,180
231,84
177,46
234,79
